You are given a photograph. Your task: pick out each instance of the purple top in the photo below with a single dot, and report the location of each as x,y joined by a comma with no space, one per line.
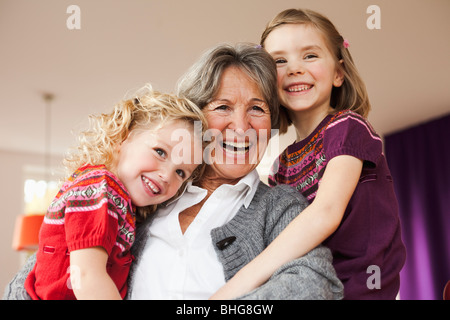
368,252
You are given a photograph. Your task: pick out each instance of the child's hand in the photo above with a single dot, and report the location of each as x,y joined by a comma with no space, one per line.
247,279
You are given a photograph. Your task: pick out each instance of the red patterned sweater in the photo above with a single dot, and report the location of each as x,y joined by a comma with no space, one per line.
93,208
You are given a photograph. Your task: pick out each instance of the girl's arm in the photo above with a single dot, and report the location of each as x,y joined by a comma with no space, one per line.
315,224
88,275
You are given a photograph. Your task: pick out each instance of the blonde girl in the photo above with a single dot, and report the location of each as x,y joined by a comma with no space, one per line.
336,163
126,164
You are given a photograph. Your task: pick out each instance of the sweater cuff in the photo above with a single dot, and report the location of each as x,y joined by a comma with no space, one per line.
102,241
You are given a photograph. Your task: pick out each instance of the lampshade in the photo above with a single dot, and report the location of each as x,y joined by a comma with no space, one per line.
26,232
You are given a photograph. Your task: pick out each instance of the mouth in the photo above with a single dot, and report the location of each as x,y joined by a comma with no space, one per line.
298,87
236,147
150,185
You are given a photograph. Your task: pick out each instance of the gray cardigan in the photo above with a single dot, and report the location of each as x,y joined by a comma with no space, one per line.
250,231
243,238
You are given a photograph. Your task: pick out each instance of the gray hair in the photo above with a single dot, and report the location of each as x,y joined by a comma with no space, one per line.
202,81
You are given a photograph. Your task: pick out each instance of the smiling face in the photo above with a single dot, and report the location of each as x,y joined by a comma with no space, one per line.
149,164
239,119
307,71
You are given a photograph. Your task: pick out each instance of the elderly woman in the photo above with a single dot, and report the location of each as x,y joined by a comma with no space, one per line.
192,246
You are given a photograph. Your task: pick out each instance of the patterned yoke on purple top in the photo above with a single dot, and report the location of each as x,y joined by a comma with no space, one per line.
368,252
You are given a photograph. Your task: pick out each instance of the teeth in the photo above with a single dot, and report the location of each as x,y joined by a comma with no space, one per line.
151,185
299,88
237,147
237,144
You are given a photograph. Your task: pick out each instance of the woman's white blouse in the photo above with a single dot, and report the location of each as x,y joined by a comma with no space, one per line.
185,266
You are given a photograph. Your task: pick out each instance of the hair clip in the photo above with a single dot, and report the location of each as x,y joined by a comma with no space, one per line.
346,44
258,46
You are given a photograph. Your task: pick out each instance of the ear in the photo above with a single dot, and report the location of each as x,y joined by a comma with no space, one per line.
118,146
339,75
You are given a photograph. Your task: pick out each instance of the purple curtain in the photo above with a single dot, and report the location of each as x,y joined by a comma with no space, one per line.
419,159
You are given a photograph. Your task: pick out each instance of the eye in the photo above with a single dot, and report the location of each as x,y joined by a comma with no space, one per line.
310,56
280,60
161,152
181,173
257,109
222,107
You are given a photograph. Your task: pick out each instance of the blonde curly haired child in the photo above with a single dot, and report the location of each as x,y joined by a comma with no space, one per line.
129,161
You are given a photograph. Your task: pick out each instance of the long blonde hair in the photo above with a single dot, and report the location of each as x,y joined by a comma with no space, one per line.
352,94
98,144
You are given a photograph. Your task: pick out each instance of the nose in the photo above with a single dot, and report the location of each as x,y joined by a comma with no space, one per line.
239,121
295,68
164,173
